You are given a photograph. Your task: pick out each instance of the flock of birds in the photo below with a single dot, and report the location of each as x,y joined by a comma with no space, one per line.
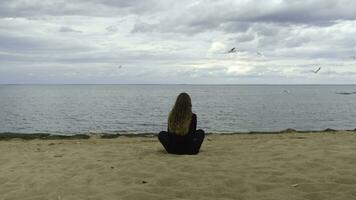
234,50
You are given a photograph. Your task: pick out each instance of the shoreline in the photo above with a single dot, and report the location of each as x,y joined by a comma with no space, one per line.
47,136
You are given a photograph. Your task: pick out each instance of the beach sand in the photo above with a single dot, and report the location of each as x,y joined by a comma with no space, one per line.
245,166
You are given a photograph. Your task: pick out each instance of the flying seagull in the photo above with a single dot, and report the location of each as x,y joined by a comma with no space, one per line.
285,92
120,66
353,57
259,53
316,71
233,50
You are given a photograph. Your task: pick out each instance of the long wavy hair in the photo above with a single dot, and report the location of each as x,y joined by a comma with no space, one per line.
180,116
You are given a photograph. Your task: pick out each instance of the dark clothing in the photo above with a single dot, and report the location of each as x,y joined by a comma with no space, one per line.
187,144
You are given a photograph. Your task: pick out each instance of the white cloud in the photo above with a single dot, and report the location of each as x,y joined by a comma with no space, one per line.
177,41
217,47
240,69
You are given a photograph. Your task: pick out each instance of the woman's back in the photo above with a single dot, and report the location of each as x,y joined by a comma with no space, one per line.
182,136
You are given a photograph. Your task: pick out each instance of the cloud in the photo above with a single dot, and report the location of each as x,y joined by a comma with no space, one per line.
240,70
101,8
178,41
65,29
143,27
217,47
111,29
237,16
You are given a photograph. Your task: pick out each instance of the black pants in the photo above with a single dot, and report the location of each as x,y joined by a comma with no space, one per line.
187,146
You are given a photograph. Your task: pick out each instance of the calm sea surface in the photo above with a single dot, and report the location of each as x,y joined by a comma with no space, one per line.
72,109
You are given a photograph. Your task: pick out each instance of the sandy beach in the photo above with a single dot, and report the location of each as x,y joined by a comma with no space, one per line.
240,166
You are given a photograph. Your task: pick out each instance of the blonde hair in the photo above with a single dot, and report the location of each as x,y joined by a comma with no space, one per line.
180,116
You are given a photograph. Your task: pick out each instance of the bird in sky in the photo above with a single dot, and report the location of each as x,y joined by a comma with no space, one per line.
259,53
285,92
120,66
353,57
316,71
233,50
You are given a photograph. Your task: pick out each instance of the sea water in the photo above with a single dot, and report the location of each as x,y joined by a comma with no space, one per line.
77,109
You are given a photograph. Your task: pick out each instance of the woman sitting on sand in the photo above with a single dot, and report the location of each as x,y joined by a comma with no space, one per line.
182,136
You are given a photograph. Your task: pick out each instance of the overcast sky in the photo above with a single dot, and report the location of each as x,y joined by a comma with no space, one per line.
164,41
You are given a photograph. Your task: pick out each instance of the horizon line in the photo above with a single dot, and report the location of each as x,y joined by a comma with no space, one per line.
217,84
